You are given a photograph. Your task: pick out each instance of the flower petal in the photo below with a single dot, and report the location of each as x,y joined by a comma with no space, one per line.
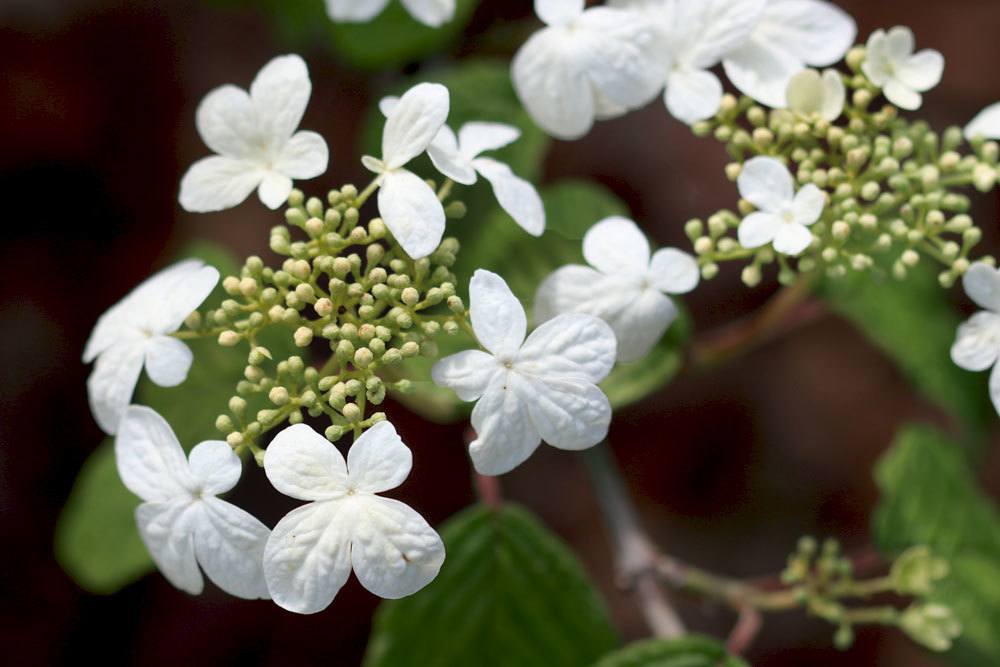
167,530
168,361
476,137
412,212
616,246
758,229
807,207
985,124
229,544
433,13
673,271
355,11
569,414
304,156
805,93
792,239
505,434
497,316
767,184
571,345
302,464
558,12
307,558
395,552
995,388
227,122
641,323
515,195
274,190
693,95
280,93
468,373
216,183
576,289
447,159
214,466
112,383
552,84
617,53
834,95
165,302
977,342
899,43
902,96
150,461
982,284
922,71
762,70
720,26
818,33
413,123
378,460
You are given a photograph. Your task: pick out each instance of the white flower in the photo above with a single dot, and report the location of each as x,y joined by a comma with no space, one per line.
135,332
902,75
790,35
626,287
182,522
584,65
977,343
255,138
410,208
784,215
432,13
311,551
542,388
986,124
700,34
813,96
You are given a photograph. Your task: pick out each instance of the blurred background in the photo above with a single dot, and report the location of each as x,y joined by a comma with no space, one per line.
728,467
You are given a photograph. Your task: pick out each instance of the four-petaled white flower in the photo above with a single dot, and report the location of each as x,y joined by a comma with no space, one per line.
182,522
902,75
783,216
433,13
986,124
977,343
542,388
626,287
585,65
699,35
135,332
255,138
813,96
790,35
410,208
311,551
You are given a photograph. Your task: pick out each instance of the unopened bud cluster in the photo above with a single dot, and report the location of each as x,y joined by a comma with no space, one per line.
823,579
345,292
892,187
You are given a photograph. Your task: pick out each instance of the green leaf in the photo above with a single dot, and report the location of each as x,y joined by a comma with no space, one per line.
930,497
913,322
510,593
96,541
690,651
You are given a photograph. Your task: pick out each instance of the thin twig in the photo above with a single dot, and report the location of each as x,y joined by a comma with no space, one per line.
748,624
634,554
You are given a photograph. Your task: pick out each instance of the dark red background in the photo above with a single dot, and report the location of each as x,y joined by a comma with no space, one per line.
728,468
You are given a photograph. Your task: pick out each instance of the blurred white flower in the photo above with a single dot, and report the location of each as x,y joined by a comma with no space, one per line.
182,522
811,95
311,551
986,124
626,287
433,13
977,342
542,388
585,65
902,75
790,35
783,216
408,205
255,139
135,332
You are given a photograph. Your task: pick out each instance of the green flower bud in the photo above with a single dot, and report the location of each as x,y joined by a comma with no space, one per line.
931,625
917,570
224,424
229,338
303,336
278,396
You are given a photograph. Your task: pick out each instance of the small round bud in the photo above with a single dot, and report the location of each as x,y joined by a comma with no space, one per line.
334,433
910,257
224,424
278,396
234,439
237,406
231,284
351,412
363,357
229,338
303,336
751,275
703,245
410,296
693,229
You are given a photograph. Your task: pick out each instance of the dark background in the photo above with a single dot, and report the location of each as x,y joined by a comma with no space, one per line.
729,468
